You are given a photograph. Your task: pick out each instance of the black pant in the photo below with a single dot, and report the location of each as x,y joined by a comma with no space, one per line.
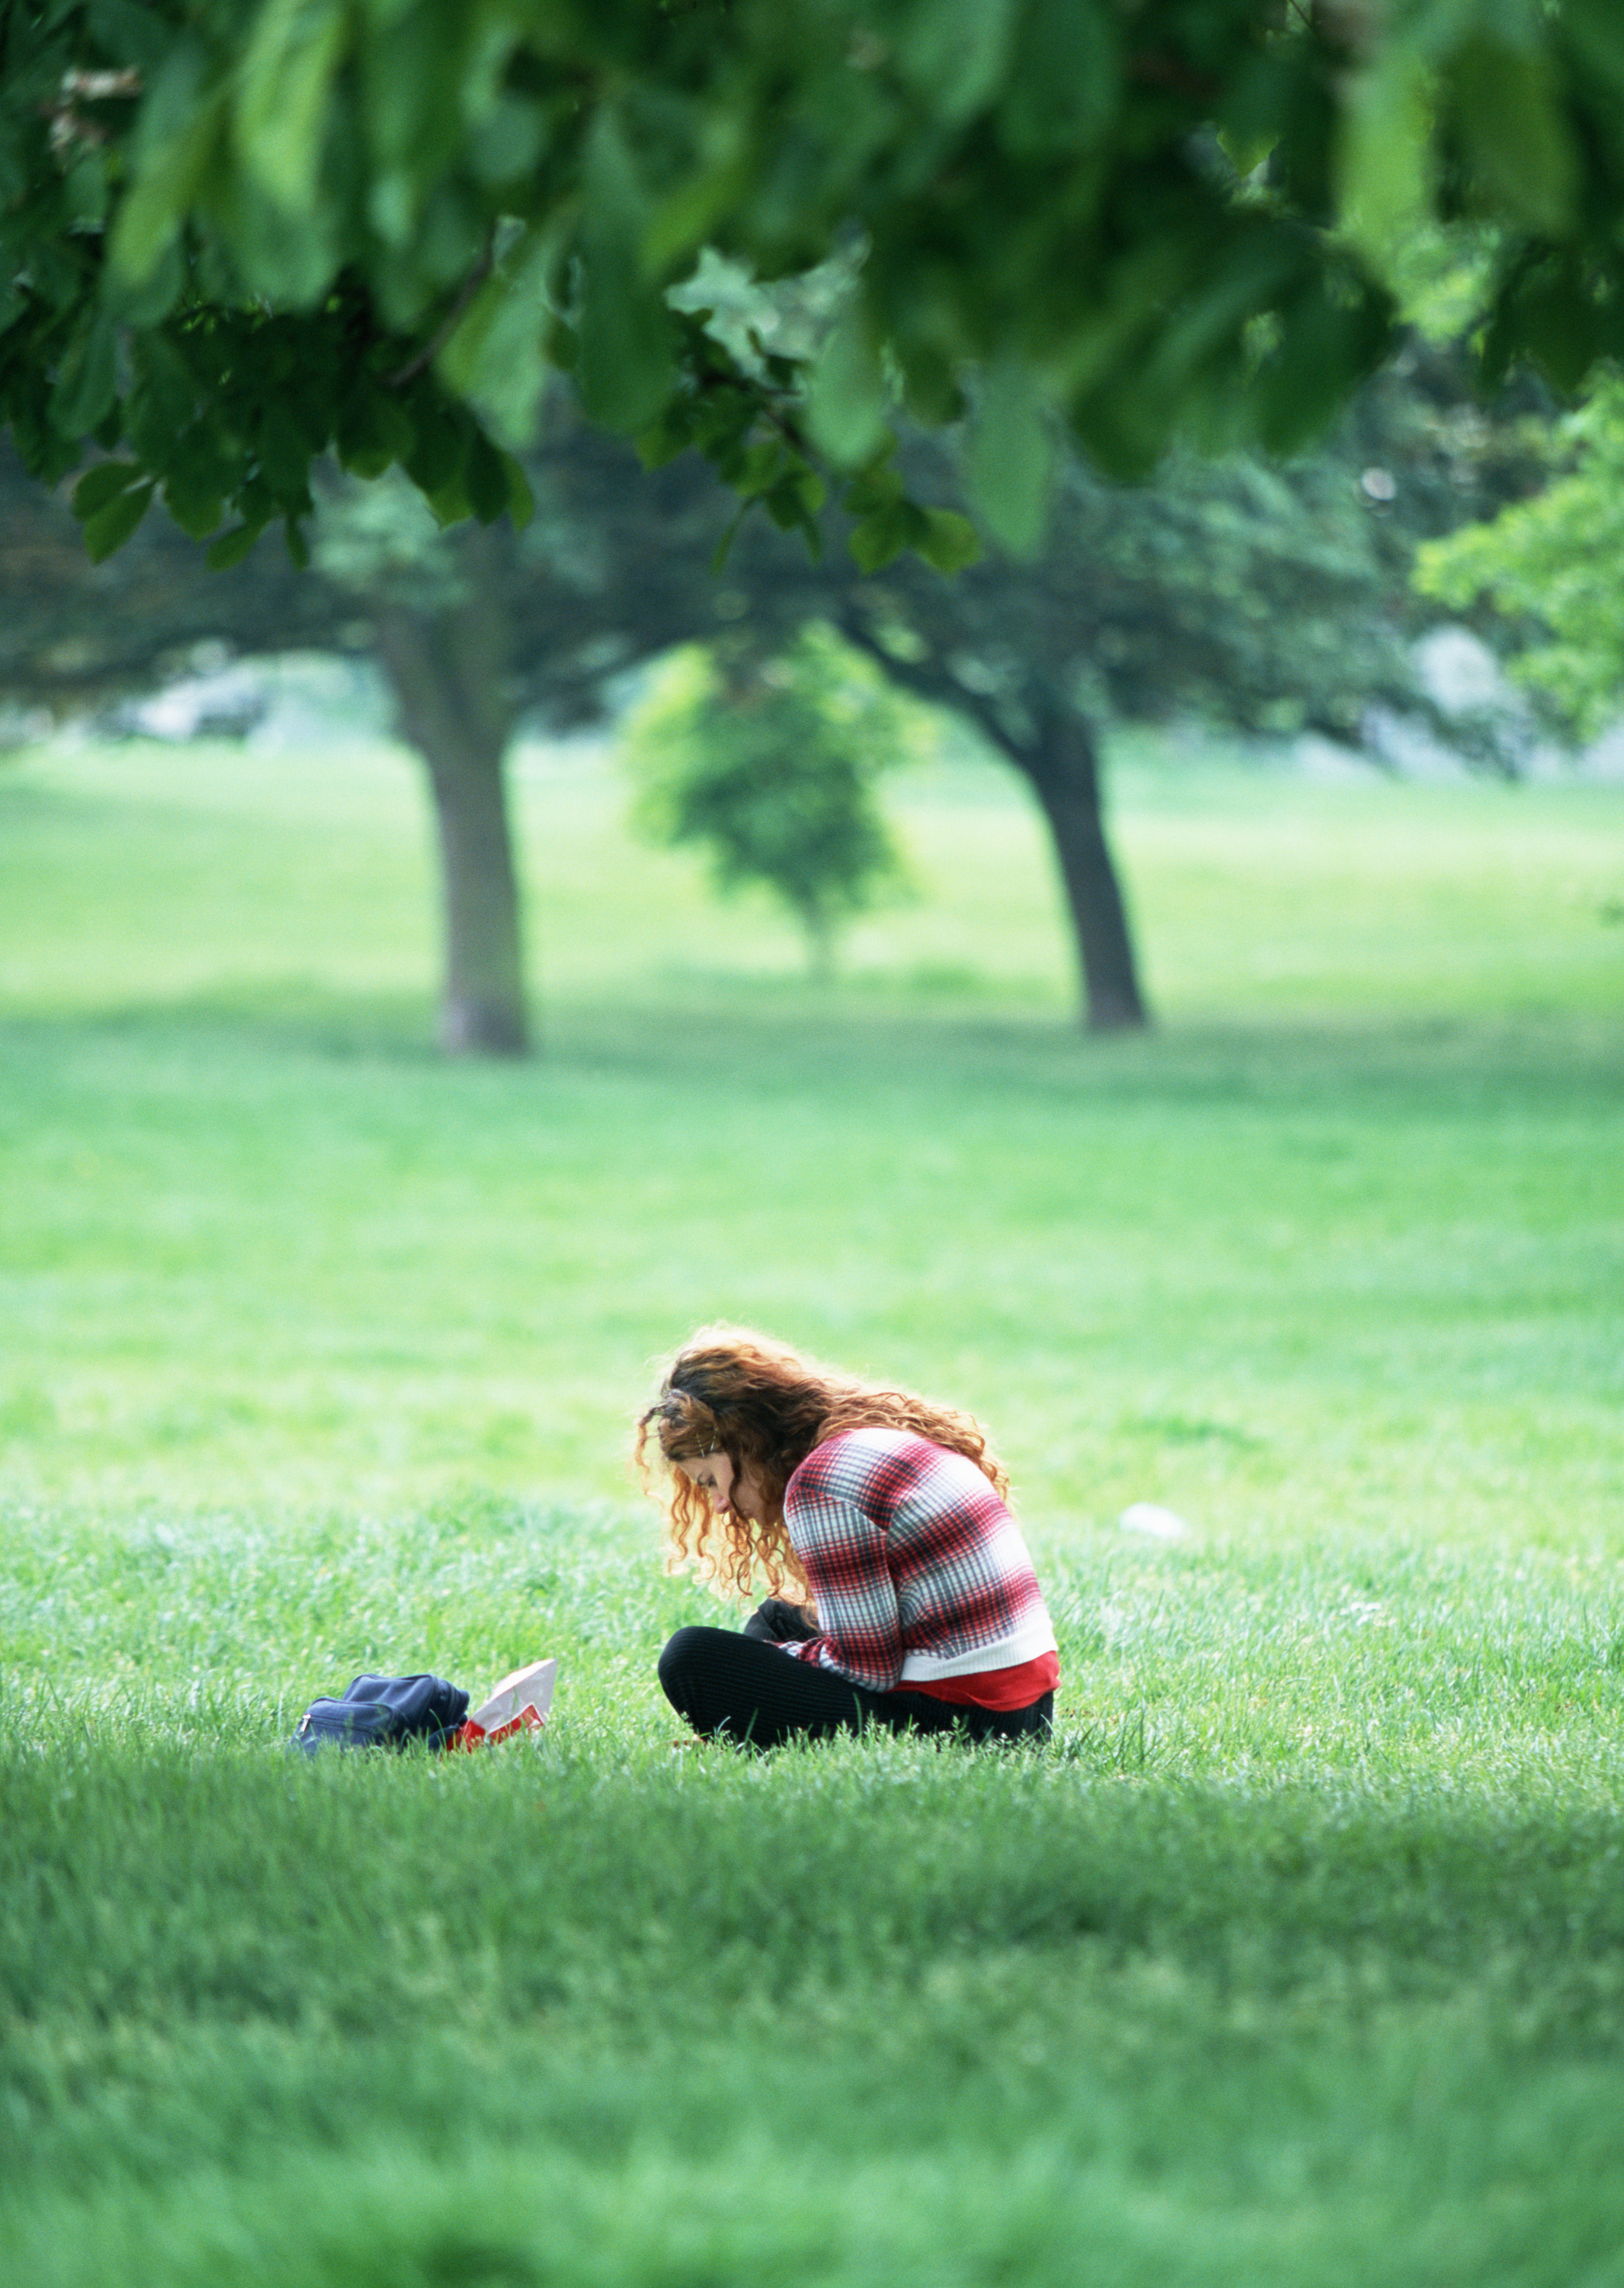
747,1689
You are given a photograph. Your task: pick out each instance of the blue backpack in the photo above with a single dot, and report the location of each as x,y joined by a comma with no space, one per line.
383,1711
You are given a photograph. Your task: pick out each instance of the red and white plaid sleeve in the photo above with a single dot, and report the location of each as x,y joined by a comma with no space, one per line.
842,1547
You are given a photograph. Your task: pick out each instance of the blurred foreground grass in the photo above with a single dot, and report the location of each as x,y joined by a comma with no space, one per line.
1301,1958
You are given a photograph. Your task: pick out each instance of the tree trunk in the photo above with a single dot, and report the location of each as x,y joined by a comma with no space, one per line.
1054,748
448,671
1064,768
820,929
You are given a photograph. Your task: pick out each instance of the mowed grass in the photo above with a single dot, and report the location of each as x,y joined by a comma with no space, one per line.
1299,1958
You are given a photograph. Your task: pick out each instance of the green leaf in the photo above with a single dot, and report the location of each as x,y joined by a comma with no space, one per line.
948,541
845,399
786,504
192,501
931,388
484,476
1245,152
373,429
876,487
449,504
1120,431
1383,159
783,506
298,547
508,140
113,525
521,500
1595,31
85,192
495,360
284,96
952,51
626,370
1010,458
440,440
679,225
165,380
290,262
1066,80
757,467
15,155
1330,338
1548,311
88,382
285,450
1507,109
103,483
130,34
232,546
147,301
881,538
180,125
412,59
672,434
1254,269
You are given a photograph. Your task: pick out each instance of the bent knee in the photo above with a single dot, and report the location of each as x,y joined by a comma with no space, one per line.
680,1662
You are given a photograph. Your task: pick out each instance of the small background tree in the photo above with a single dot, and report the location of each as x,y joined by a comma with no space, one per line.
770,763
1548,572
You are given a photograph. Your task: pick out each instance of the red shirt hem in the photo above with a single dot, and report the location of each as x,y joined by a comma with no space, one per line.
993,1687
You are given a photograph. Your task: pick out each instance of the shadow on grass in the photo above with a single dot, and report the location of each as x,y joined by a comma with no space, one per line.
778,1038
153,1877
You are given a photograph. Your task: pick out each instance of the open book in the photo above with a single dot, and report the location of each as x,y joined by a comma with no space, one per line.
519,1703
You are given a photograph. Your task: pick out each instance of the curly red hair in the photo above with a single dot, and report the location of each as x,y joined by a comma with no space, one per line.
732,1391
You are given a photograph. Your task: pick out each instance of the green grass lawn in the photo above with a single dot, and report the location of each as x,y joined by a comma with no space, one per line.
1298,1959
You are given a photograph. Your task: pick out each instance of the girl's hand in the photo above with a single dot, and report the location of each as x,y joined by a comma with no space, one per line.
778,1622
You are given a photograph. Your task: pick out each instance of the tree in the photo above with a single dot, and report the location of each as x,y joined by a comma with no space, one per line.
1551,570
770,763
441,622
74,635
238,235
1238,594
472,627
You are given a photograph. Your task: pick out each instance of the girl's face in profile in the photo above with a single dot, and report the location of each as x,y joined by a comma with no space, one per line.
733,1493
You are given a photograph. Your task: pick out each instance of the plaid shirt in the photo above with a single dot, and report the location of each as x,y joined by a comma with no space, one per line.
918,1568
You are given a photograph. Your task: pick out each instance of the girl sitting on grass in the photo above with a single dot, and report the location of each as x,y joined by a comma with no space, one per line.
903,1593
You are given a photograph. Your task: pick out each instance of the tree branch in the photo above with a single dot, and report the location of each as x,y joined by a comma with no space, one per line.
448,325
936,683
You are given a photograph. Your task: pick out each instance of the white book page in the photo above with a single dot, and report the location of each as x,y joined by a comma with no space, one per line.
523,1687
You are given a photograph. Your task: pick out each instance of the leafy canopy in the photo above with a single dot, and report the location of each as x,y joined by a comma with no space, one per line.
237,235
1552,569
